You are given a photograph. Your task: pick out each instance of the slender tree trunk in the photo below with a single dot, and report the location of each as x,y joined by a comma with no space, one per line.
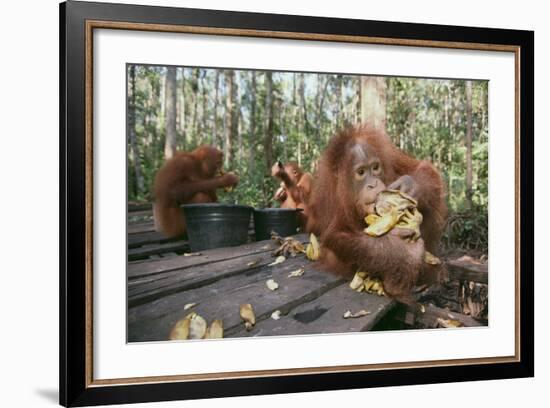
356,103
284,136
321,96
484,124
140,186
294,89
192,133
342,102
230,117
240,137
469,144
182,109
252,132
294,121
204,108
338,102
158,119
268,140
162,99
237,114
412,127
216,91
170,94
302,91
373,101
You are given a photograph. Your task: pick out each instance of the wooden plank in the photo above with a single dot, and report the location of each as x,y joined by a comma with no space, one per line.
325,314
465,271
144,238
136,227
150,287
145,268
428,319
146,251
142,214
222,298
141,227
139,206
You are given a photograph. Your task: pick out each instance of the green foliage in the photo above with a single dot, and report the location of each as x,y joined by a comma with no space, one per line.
467,230
424,117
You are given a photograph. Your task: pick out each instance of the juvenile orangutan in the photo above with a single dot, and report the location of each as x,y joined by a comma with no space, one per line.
187,178
356,164
295,188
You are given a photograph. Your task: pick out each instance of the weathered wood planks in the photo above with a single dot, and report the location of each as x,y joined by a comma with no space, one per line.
428,318
221,299
468,271
145,268
154,249
147,238
140,227
324,314
139,206
219,280
184,273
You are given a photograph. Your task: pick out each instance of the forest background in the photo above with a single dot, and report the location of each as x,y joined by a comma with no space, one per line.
258,117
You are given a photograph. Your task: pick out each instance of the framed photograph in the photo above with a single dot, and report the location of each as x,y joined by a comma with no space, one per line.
256,203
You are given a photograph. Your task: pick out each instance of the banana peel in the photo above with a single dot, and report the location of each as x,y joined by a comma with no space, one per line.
431,259
313,250
215,331
395,209
247,315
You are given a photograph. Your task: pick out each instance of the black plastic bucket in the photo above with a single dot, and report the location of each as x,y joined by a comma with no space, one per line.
216,225
283,221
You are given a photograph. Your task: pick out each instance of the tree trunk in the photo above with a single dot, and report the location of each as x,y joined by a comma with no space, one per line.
182,109
170,94
469,144
412,127
268,139
238,118
230,119
338,103
373,101
284,136
162,99
321,96
204,111
356,102
302,91
252,131
140,186
192,133
294,89
216,91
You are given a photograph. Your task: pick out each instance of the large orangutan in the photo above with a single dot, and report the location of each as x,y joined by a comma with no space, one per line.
295,187
356,163
187,178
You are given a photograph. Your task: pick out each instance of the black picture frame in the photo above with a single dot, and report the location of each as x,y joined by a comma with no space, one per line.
76,385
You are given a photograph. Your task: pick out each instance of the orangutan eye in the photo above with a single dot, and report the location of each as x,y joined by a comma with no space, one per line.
360,173
375,167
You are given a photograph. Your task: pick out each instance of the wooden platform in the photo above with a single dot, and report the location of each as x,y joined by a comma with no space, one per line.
162,278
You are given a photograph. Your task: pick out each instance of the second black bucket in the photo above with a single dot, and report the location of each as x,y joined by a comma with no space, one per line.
283,221
216,225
